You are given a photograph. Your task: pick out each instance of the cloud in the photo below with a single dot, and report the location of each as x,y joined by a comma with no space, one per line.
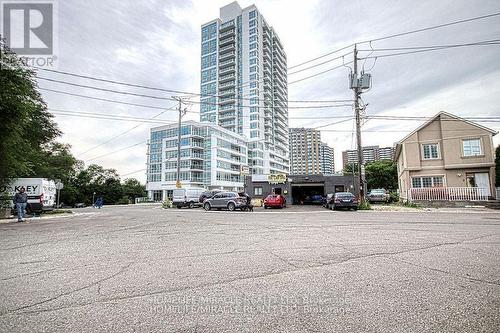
157,43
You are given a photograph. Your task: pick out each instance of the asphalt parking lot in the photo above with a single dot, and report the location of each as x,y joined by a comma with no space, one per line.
145,269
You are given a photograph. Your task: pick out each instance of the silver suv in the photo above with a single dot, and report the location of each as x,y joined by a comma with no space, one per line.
229,200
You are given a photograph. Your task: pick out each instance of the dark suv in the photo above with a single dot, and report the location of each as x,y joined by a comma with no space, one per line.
229,200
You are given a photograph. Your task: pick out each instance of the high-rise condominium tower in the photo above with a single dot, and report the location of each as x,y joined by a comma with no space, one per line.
244,84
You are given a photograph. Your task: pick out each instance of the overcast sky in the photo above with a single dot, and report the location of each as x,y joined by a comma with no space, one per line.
157,43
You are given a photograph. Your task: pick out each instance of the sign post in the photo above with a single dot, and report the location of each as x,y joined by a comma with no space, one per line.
59,187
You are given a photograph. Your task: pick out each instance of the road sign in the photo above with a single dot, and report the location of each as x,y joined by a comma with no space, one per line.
59,185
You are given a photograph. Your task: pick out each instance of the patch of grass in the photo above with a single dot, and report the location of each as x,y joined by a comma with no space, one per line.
365,205
410,204
58,211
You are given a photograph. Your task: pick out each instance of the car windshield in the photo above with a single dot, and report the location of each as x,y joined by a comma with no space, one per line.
377,191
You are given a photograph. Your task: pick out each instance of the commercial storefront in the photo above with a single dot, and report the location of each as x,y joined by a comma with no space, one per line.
299,189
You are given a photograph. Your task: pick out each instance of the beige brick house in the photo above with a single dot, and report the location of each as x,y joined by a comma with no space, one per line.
447,158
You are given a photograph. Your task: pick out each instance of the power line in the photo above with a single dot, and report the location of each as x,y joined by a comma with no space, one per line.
126,131
168,90
322,72
133,172
116,151
321,63
431,27
196,102
437,48
400,34
487,42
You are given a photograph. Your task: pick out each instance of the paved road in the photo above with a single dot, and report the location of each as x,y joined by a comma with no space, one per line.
144,269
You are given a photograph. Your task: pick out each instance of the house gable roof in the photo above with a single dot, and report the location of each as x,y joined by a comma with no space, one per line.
439,114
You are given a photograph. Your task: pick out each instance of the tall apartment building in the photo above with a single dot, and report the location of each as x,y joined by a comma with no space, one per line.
211,157
326,159
308,155
370,154
305,151
244,84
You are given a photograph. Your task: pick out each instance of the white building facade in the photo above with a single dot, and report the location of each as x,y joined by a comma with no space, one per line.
244,84
211,157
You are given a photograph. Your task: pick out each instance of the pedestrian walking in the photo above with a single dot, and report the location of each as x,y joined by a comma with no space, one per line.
100,202
20,200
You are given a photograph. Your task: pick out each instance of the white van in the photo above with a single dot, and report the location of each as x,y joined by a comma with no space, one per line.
187,197
41,193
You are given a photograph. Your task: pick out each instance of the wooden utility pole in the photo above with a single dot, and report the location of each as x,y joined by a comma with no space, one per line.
181,114
357,92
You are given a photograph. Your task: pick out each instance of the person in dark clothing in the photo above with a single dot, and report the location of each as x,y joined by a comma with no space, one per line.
248,205
99,202
20,200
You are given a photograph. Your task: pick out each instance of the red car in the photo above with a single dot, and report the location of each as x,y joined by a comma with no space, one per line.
274,200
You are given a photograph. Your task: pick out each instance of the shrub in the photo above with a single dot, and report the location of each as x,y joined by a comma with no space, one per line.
167,204
364,205
123,201
393,196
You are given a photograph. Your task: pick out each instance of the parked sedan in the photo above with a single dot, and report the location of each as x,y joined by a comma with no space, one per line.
378,195
344,200
225,200
274,200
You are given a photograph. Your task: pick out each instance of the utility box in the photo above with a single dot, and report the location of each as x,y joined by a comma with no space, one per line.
365,81
353,81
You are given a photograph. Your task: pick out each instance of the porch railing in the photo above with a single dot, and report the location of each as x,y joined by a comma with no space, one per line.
448,194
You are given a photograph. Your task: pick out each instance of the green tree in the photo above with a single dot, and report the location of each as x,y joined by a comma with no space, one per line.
381,174
348,168
132,189
497,166
26,127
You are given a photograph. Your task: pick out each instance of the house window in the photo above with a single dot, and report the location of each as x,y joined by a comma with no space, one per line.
431,181
257,191
471,147
430,151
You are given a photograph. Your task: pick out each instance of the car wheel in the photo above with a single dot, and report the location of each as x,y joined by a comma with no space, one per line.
355,208
206,206
231,206
191,205
179,207
265,207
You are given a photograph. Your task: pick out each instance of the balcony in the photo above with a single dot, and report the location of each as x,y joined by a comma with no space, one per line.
226,25
226,41
230,62
226,78
226,56
226,49
226,100
226,33
227,85
227,123
227,115
227,70
226,92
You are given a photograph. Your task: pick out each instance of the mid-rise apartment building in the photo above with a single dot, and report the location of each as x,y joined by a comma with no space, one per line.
308,155
211,157
370,154
244,84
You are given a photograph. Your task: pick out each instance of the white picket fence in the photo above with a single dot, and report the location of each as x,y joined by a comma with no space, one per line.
448,194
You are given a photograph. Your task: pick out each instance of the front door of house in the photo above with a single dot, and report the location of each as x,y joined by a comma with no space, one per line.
482,180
